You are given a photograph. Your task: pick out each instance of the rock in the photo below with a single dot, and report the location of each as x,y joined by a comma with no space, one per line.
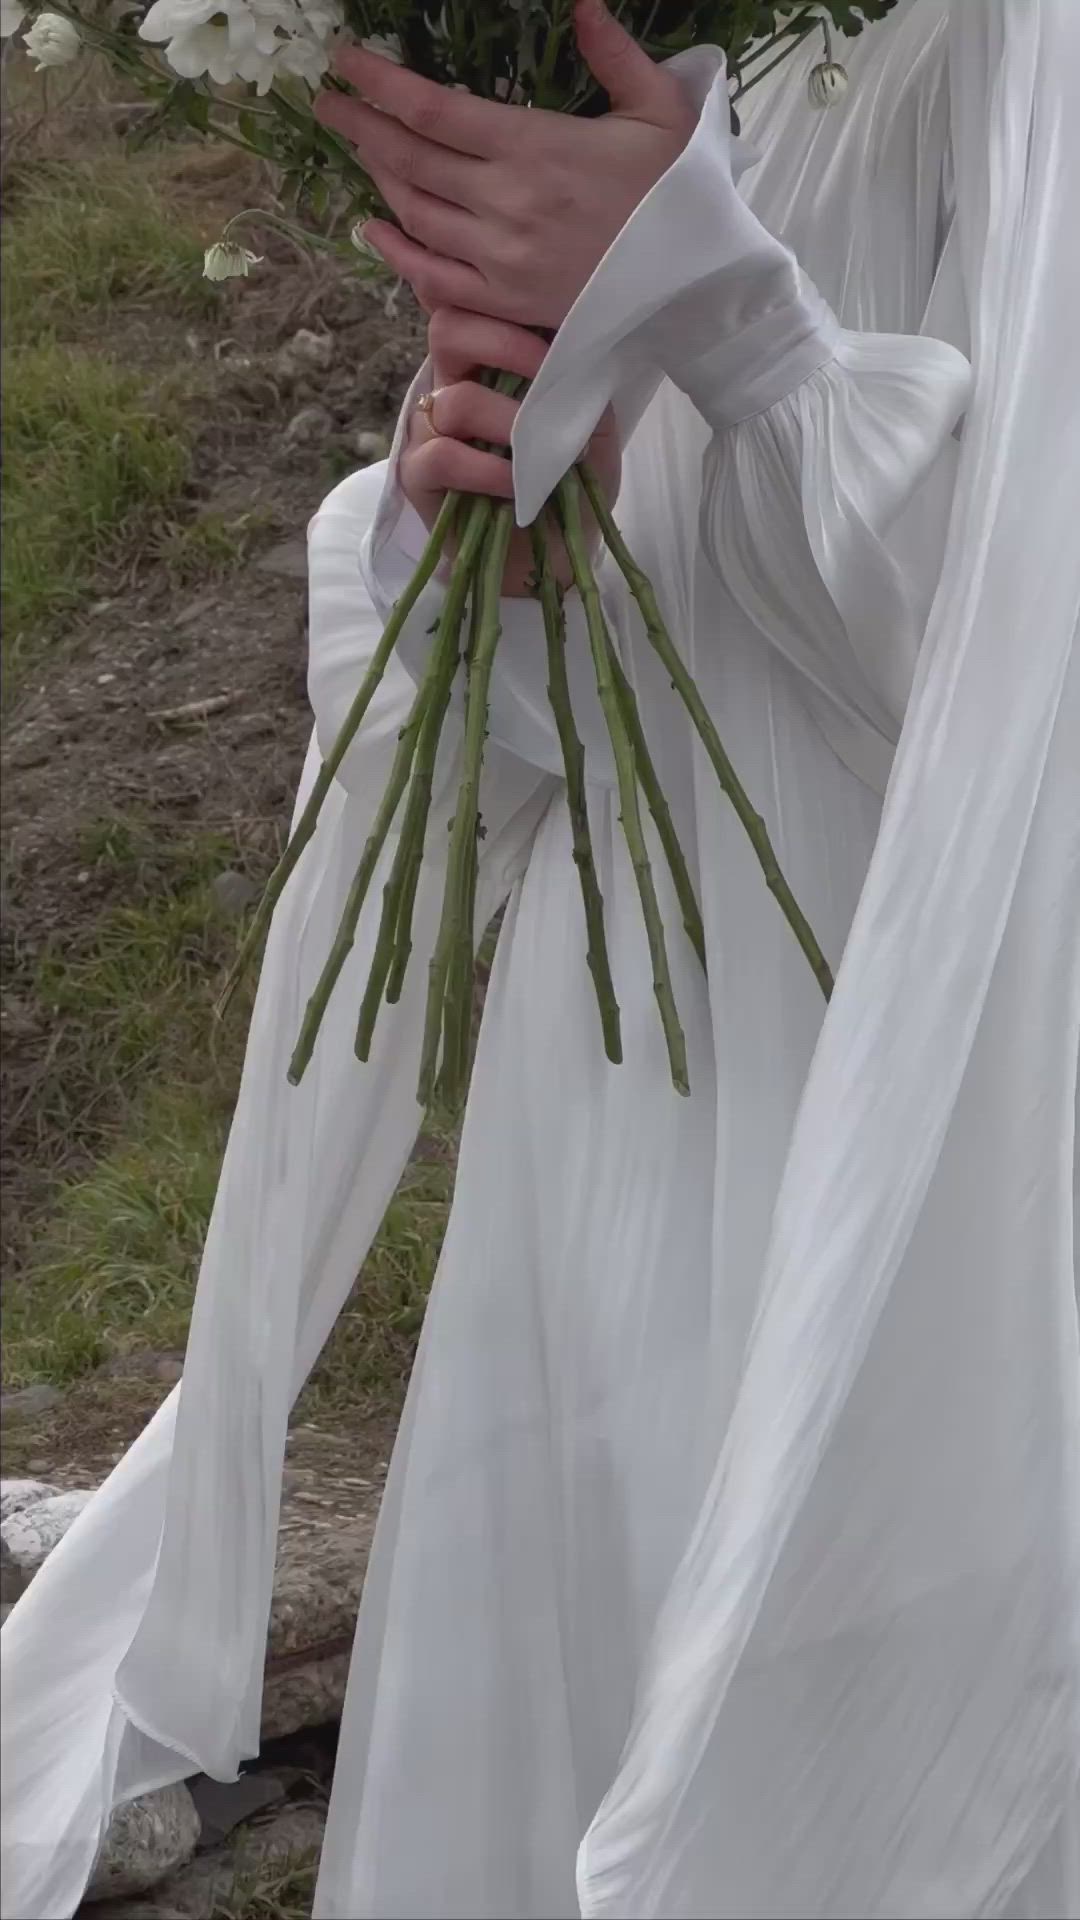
27,1403
323,1548
288,561
306,352
142,1365
305,1694
17,1495
13,1578
307,427
148,1839
209,1884
371,446
5,1608
320,1572
31,1535
233,893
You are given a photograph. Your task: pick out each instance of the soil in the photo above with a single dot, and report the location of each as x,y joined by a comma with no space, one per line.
94,731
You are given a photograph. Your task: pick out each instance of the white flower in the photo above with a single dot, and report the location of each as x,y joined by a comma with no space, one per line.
12,16
828,83
53,41
387,45
250,40
226,260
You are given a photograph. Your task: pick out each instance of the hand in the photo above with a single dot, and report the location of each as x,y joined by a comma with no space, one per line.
438,456
508,210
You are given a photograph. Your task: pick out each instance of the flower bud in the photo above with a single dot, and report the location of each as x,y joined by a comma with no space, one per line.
828,83
225,260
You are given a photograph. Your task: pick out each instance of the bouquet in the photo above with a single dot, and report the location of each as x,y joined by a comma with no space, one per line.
246,72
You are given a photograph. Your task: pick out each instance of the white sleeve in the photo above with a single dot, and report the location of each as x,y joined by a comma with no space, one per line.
167,1573
821,436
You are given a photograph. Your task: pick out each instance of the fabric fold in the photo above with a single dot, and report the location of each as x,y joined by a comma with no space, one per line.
172,1561
979,841
798,505
693,286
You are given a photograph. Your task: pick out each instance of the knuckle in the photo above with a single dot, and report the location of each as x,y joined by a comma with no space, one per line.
518,201
560,198
403,163
432,466
454,409
513,250
425,117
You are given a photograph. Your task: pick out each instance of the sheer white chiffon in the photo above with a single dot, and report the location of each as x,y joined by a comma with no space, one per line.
730,1559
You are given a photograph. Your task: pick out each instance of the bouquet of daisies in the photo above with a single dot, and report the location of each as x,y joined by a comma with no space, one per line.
246,72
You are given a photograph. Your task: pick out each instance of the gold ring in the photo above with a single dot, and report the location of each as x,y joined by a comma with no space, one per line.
426,406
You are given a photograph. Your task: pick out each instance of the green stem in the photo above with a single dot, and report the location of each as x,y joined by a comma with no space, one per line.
394,941
756,78
799,26
305,826
661,812
466,815
331,143
264,217
576,794
569,501
683,682
448,626
457,1009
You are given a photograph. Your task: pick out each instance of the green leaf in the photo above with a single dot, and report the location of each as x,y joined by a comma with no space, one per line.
318,193
197,111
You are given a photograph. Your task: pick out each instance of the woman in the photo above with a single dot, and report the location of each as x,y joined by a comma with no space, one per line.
730,1559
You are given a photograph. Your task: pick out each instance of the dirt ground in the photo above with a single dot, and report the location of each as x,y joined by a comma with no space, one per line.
174,696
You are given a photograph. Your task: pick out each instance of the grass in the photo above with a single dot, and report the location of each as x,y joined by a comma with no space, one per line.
114,1264
88,237
209,545
88,449
278,1893
93,450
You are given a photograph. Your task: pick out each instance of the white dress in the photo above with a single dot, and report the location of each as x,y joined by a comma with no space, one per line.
730,1558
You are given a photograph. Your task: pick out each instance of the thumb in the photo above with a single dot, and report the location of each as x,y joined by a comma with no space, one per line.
632,81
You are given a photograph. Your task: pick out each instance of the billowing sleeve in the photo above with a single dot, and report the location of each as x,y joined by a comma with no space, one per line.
136,1657
821,436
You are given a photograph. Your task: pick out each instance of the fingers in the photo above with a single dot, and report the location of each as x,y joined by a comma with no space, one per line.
436,281
633,82
469,411
443,231
460,342
436,465
441,114
388,148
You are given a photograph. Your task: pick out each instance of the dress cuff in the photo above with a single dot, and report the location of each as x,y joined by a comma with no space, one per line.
693,287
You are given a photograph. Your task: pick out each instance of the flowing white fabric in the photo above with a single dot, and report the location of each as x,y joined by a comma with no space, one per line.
730,1560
